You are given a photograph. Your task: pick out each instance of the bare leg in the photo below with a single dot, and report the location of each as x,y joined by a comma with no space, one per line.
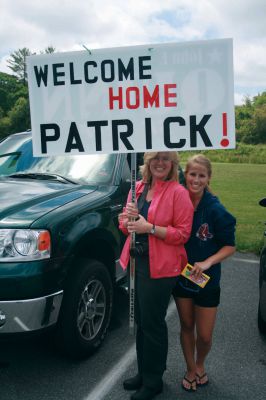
205,321
186,311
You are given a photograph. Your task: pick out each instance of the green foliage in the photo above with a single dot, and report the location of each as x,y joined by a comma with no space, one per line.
9,86
251,120
14,105
3,100
14,96
17,63
5,127
20,115
260,99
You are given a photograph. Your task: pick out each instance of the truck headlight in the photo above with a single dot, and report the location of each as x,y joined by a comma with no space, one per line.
24,244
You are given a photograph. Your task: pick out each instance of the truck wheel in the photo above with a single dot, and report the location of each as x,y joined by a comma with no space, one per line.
86,309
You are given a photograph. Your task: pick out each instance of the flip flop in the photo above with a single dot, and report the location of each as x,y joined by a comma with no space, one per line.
192,388
201,377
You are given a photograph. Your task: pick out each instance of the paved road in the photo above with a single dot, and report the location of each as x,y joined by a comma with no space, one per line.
31,370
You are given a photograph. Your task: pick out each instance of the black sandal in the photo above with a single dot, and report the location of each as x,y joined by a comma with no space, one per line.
201,377
192,388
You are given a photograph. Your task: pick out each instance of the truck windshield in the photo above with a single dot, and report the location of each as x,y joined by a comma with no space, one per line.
16,157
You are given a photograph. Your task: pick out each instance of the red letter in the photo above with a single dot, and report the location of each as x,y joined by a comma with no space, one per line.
150,99
136,90
113,98
167,95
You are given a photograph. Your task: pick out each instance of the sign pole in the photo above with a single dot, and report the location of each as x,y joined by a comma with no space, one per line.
132,245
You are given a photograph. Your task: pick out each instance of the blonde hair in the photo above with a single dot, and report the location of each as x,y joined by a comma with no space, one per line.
145,168
201,160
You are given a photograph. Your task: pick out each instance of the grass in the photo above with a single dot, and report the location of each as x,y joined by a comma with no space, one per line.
240,187
244,153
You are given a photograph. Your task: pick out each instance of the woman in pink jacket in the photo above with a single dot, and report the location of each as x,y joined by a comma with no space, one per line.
162,225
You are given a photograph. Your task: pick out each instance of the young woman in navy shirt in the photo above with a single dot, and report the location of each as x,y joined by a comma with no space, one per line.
211,241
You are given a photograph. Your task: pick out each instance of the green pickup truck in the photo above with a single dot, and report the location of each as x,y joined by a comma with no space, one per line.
59,242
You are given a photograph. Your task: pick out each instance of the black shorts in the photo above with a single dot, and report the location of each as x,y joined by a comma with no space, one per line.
207,297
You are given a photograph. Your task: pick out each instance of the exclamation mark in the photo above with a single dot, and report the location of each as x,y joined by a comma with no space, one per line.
224,141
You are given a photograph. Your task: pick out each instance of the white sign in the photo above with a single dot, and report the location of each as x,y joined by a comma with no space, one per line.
176,96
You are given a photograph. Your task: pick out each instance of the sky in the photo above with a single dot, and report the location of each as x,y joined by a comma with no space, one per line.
67,25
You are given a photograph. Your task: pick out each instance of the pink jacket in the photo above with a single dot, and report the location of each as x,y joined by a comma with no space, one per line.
170,207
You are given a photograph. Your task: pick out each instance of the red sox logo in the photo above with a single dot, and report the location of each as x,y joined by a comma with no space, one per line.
203,232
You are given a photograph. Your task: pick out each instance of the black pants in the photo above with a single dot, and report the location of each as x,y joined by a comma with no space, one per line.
152,299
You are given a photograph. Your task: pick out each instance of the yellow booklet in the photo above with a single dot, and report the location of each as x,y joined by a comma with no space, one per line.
201,281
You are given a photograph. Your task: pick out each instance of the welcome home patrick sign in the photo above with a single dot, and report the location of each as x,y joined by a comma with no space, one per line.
176,96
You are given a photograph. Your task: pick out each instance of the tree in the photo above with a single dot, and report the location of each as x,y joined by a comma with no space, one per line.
260,124
5,126
1,112
49,50
14,98
247,101
10,90
251,120
20,116
245,132
260,99
17,63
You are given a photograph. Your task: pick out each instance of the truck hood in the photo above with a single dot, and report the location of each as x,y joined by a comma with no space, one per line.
24,201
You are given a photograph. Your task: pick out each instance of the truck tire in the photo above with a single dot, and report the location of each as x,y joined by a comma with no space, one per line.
86,309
